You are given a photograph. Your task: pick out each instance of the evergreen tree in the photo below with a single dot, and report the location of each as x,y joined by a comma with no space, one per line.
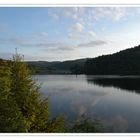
27,95
11,119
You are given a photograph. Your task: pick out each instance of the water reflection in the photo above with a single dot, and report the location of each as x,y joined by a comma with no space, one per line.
99,97
116,124
126,83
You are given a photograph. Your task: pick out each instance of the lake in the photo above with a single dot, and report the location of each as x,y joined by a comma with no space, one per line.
115,100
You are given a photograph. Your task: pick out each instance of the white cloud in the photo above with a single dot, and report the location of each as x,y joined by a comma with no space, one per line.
13,41
113,13
74,35
76,31
74,12
91,33
78,27
55,16
93,43
45,34
57,46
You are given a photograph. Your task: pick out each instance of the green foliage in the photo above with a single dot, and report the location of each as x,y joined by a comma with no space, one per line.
21,109
126,62
25,90
87,126
57,125
40,123
56,67
77,69
11,119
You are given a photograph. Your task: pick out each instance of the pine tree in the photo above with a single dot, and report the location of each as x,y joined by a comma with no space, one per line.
21,108
27,94
11,119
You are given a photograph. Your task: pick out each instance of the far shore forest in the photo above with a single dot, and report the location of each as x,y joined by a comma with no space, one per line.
125,62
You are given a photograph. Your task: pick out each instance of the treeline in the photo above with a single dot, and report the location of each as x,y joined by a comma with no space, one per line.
123,82
23,111
56,67
126,62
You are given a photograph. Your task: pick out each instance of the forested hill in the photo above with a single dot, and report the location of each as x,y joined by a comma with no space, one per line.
126,62
57,67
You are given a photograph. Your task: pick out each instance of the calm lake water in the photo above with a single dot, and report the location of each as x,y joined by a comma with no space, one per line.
115,100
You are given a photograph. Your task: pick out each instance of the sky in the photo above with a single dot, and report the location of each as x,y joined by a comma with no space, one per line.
67,33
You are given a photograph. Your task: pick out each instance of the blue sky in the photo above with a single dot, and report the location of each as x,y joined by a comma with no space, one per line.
65,33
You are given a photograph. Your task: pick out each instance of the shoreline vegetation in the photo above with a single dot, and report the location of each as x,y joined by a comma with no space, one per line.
125,62
23,111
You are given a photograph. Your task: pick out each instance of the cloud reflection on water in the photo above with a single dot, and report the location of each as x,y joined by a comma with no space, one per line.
73,97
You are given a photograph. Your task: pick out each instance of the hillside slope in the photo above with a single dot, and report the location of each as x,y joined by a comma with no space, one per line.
55,67
126,62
